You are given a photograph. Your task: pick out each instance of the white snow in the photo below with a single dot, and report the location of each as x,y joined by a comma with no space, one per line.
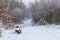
28,22
32,33
42,32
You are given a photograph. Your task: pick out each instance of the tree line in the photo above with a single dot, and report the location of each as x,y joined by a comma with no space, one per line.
48,10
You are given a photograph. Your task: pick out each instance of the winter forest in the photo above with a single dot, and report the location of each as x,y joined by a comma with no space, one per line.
29,19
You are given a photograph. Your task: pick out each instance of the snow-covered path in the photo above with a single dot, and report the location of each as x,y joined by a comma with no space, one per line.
33,33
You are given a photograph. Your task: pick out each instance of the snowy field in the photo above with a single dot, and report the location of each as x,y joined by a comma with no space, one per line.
32,33
42,32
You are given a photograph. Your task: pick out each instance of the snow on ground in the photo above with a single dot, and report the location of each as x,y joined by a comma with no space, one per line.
42,32
32,33
28,22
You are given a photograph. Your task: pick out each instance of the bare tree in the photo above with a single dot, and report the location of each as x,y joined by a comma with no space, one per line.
47,9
